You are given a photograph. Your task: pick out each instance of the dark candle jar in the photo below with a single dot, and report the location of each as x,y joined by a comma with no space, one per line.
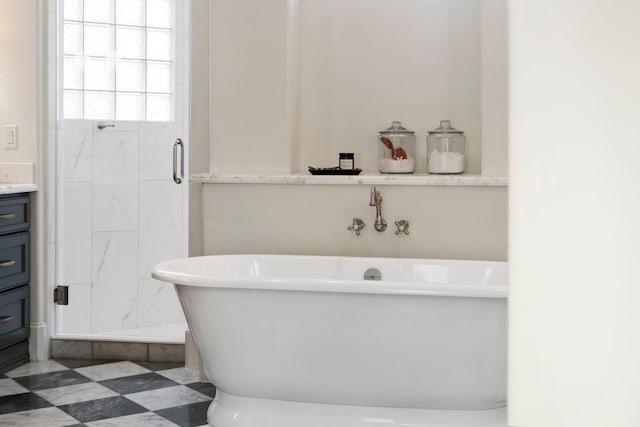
346,161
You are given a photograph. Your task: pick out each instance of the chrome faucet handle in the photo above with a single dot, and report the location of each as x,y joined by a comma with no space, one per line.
376,198
357,225
376,201
403,227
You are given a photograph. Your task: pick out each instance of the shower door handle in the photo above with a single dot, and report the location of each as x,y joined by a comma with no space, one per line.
178,144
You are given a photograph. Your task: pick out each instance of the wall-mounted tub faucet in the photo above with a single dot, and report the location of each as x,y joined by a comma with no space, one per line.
357,225
402,227
376,200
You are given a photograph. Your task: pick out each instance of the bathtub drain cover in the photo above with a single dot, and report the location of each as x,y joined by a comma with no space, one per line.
372,274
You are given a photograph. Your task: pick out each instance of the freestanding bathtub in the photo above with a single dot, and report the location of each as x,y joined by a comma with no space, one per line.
304,341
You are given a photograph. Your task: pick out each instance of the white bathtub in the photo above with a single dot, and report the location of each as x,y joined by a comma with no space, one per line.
297,341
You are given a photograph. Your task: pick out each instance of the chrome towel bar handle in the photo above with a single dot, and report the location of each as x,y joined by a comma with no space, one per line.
178,144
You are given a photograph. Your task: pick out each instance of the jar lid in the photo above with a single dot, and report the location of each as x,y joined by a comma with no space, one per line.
445,127
396,127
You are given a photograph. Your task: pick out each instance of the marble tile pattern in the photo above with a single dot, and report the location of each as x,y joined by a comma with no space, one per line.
35,368
77,233
122,215
362,179
9,387
77,150
114,277
173,333
17,188
69,392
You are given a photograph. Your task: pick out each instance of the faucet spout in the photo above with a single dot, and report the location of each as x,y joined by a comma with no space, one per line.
375,194
376,200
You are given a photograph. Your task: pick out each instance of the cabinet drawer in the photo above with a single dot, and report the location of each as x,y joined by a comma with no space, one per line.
14,316
14,356
14,260
14,214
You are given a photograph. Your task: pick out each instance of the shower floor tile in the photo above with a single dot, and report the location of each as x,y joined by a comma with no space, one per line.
161,366
101,409
21,402
50,417
51,380
187,415
9,386
35,368
81,363
143,419
109,371
73,392
169,397
135,383
76,393
204,388
182,375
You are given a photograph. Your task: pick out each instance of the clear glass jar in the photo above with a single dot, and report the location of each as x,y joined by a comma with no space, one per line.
396,149
445,149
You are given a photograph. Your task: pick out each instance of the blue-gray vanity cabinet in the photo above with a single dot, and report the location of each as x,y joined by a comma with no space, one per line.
14,281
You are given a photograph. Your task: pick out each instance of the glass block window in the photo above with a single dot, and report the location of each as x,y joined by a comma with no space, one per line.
118,59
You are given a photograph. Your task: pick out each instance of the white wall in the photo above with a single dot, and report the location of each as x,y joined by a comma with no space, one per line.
198,116
250,122
18,77
313,220
295,82
574,209
365,63
494,106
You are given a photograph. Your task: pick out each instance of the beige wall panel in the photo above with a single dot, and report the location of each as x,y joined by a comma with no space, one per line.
18,77
445,222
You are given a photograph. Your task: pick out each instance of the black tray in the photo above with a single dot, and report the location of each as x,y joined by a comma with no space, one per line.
333,171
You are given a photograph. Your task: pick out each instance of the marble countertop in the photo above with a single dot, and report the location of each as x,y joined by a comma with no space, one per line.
362,179
17,188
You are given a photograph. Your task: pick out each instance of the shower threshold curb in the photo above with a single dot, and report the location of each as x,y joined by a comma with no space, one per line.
110,349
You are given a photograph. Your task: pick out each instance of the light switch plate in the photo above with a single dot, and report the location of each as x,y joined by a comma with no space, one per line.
10,137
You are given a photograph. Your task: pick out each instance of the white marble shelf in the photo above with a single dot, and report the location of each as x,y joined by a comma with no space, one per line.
17,188
362,179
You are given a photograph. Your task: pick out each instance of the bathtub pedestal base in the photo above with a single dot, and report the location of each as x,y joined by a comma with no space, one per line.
233,411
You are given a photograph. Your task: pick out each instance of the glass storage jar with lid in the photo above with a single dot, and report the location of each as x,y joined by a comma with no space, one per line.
396,149
445,149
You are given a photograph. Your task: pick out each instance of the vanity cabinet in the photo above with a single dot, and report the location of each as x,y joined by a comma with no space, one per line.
14,281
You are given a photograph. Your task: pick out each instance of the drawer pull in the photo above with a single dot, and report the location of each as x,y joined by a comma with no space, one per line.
7,263
5,319
7,216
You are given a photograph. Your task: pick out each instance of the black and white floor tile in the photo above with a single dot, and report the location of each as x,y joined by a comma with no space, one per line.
100,393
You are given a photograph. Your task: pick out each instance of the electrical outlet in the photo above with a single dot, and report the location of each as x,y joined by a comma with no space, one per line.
10,137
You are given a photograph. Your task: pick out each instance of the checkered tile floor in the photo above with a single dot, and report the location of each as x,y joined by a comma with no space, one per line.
73,392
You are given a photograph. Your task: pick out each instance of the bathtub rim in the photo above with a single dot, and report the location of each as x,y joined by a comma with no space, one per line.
165,273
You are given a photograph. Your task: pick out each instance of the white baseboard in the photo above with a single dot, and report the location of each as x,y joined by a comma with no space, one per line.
39,341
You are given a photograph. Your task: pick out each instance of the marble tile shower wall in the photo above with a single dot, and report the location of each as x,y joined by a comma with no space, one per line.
117,194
